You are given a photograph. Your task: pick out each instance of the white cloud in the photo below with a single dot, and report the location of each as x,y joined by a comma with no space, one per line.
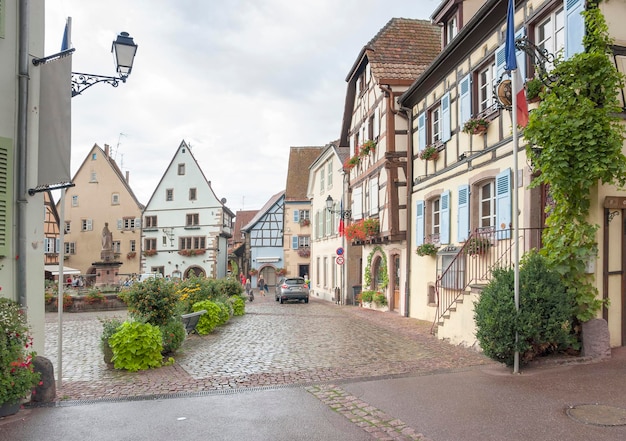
241,80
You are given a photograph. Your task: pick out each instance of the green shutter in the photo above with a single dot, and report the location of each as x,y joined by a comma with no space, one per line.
6,191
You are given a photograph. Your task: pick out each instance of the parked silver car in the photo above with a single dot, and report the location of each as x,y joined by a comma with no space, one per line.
292,288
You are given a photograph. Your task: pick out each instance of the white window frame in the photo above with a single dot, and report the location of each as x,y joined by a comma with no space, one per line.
485,78
490,202
86,225
550,37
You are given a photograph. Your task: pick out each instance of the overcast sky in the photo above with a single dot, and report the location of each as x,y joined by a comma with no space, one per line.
240,80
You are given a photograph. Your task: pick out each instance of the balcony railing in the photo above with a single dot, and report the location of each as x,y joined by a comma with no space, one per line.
485,250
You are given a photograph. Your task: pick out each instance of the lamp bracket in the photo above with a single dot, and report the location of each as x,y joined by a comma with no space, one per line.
82,81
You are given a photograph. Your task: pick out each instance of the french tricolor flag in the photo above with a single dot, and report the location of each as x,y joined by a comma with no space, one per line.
341,224
521,106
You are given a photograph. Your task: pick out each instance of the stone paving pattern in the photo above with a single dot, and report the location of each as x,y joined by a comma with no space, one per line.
271,345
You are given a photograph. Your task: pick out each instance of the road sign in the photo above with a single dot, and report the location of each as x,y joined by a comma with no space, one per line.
339,251
339,260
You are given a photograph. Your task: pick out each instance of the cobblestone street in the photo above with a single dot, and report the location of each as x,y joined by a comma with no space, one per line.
273,344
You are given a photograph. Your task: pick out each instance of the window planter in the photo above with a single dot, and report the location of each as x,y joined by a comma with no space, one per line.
430,153
476,126
191,252
427,249
477,246
149,253
305,222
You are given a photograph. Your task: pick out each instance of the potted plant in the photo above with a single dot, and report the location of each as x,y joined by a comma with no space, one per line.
475,126
253,271
281,271
17,374
534,87
351,162
367,297
429,153
368,147
380,299
477,245
427,249
305,222
131,255
149,253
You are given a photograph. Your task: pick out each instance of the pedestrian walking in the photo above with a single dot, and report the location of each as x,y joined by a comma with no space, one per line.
248,286
261,285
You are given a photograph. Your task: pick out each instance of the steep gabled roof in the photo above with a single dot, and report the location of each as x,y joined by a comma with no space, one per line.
401,50
242,217
300,159
269,204
105,154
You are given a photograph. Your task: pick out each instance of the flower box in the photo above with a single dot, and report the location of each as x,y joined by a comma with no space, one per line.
476,126
429,153
191,252
363,229
149,253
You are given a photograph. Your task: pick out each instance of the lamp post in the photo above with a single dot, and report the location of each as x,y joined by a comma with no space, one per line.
345,214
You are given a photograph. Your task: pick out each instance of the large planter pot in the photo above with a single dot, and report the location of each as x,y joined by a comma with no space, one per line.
108,354
7,409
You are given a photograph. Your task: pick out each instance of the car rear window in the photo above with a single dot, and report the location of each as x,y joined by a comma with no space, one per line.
296,281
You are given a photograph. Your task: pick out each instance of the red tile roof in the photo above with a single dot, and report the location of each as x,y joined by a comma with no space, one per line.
300,159
403,49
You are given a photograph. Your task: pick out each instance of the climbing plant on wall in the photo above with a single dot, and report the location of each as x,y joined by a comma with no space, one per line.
575,142
382,270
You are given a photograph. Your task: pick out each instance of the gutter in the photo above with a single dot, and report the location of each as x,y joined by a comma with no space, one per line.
409,190
21,149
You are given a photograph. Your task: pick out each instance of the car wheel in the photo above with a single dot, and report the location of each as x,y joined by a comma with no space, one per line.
281,300
306,300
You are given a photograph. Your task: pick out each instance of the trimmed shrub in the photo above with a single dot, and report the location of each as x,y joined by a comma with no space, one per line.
173,334
210,320
239,305
544,321
136,346
224,314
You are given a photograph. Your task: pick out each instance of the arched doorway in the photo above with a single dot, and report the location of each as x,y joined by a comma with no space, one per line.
269,275
194,271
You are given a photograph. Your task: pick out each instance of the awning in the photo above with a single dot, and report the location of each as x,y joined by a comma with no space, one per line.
54,269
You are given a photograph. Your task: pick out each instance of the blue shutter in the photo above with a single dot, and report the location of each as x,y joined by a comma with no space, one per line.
574,27
445,118
500,61
296,215
444,231
421,131
419,223
503,204
294,242
463,225
465,100
521,55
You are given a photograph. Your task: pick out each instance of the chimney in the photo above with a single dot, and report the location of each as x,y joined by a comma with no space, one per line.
106,150
127,176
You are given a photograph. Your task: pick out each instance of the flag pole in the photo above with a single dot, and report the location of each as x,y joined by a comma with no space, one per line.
515,212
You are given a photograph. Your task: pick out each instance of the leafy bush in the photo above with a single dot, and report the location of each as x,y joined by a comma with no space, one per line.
239,305
380,299
224,314
94,296
136,346
210,320
367,296
109,327
153,300
173,334
544,321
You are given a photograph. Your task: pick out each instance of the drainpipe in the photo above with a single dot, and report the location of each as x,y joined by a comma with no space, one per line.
408,113
21,149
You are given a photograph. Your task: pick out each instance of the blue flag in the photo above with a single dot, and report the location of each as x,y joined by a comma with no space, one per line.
509,48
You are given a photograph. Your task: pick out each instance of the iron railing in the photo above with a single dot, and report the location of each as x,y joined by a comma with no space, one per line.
485,250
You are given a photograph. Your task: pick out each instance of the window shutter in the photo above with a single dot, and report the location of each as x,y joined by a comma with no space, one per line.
503,204
120,224
419,223
446,122
89,224
465,100
57,245
6,192
521,56
421,132
444,234
574,27
376,123
500,61
357,203
374,195
296,215
463,214
294,242
137,222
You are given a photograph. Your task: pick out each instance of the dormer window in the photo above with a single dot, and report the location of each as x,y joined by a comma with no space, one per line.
452,28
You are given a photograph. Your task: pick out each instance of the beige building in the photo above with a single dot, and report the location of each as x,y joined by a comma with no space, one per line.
464,194
101,195
297,226
376,133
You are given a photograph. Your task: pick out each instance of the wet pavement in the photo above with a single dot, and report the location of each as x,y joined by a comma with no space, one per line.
319,371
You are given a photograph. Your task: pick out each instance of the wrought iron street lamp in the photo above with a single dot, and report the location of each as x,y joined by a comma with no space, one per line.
124,49
346,214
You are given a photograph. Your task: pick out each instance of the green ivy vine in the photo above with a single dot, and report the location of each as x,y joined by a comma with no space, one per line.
579,138
382,269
